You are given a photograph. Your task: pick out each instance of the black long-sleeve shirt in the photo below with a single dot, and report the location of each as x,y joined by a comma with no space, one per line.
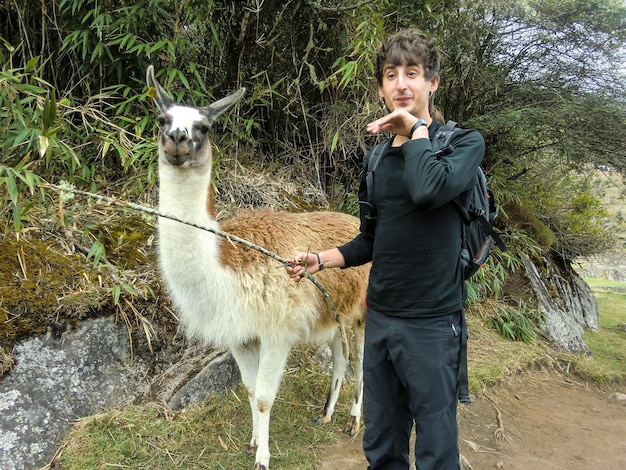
416,242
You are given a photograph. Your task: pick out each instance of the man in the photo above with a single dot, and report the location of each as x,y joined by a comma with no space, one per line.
416,291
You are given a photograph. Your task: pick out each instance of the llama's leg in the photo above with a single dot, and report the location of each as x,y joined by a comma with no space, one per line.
340,362
353,425
271,366
247,357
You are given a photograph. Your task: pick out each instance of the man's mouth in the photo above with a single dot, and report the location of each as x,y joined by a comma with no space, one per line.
403,98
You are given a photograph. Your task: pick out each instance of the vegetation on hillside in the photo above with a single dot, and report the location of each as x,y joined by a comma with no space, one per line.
542,80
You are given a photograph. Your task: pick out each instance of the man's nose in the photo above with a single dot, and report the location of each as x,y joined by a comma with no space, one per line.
401,84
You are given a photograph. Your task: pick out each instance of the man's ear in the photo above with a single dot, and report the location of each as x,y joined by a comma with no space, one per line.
434,84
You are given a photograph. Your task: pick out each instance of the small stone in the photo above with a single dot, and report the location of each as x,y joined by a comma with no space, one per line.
617,397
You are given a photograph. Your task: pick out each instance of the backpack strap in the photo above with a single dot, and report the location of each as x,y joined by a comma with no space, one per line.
464,395
492,233
377,153
441,141
374,160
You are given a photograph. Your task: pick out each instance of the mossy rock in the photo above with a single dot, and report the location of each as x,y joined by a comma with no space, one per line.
42,286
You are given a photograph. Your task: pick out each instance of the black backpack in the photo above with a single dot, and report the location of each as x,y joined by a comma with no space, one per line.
476,205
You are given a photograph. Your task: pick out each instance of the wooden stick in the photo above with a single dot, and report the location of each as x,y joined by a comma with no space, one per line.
228,236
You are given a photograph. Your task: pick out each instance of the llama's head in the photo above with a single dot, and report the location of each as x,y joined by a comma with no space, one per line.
183,139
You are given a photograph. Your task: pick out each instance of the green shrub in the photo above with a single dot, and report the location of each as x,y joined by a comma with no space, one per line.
515,323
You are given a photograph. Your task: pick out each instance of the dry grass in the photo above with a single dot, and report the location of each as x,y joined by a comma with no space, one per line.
278,190
210,435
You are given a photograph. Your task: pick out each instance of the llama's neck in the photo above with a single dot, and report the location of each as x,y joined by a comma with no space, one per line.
202,288
183,194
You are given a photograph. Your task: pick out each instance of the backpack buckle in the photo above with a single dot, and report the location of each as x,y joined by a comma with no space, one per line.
371,210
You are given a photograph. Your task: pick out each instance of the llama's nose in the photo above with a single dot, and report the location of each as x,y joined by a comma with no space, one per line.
178,135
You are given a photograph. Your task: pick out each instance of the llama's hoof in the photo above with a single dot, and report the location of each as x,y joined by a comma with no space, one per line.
352,426
248,449
258,466
320,420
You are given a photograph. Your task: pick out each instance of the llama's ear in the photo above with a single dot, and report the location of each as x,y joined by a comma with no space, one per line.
213,111
156,92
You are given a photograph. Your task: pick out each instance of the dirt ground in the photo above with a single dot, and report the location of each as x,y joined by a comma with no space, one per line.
535,421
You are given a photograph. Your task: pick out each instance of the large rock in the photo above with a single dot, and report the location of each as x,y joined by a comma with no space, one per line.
567,303
58,379
220,372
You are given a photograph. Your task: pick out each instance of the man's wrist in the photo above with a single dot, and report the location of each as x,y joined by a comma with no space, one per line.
320,263
419,123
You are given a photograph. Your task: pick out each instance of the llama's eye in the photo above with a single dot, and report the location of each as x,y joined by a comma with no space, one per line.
204,128
161,120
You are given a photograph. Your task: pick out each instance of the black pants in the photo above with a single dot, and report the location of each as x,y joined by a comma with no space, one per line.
411,374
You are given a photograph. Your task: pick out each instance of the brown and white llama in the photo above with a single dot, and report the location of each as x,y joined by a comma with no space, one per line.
235,297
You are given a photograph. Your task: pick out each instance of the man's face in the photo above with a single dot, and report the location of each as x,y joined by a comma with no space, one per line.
404,86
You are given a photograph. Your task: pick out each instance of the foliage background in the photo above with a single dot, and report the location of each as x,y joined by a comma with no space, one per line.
542,80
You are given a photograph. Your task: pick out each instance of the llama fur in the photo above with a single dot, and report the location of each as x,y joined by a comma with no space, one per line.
232,296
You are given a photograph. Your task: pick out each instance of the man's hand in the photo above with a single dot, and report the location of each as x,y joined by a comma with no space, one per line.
301,263
397,122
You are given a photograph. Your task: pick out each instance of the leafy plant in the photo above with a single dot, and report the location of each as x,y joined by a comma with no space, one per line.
520,72
13,182
515,323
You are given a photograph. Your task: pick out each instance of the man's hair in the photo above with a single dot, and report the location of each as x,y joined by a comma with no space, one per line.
408,47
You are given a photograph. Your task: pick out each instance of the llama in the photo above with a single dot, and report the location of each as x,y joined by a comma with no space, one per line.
234,297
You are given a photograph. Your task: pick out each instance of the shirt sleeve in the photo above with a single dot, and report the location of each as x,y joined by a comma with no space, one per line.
433,182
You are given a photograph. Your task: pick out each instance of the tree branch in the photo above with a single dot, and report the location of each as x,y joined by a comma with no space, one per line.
338,8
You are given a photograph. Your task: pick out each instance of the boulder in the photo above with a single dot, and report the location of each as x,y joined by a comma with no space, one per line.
566,302
57,379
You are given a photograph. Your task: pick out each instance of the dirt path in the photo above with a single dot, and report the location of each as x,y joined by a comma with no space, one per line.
548,422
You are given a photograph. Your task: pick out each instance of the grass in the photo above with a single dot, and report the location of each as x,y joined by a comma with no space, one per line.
212,434
608,345
491,357
600,285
